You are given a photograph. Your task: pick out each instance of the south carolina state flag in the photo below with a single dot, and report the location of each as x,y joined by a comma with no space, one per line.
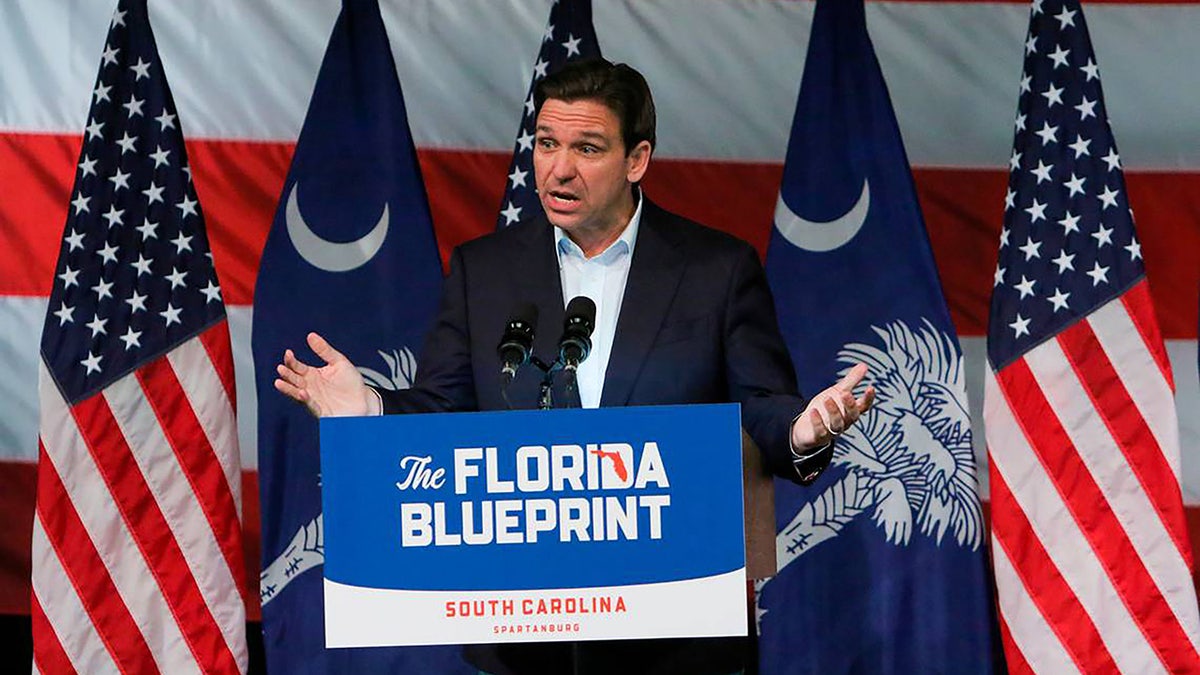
881,561
352,256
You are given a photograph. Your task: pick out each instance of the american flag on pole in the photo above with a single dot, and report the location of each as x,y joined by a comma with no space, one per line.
1090,547
569,36
137,558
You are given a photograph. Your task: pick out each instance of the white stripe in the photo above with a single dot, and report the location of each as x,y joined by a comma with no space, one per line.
106,527
246,70
1139,372
1034,638
178,503
21,321
202,384
1053,525
1122,491
1182,354
19,354
65,611
241,319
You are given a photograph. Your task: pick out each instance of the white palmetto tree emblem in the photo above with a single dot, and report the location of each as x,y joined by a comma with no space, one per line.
909,461
402,370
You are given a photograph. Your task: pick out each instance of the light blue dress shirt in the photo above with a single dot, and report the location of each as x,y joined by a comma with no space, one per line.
601,278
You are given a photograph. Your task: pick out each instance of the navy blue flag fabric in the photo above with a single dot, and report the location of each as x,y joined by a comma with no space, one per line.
352,256
881,562
569,36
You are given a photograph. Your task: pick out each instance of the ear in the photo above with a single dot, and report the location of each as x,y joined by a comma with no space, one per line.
637,162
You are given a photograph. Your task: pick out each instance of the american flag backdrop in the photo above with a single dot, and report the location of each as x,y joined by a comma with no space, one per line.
569,36
137,551
1090,546
725,76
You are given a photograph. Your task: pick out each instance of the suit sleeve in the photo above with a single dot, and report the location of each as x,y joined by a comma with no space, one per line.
444,377
760,373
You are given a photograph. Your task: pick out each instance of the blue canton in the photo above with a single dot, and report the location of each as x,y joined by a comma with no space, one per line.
135,276
1068,244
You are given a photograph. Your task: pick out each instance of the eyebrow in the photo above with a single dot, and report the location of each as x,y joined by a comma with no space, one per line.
585,134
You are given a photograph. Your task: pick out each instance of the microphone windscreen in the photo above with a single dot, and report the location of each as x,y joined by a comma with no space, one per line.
526,312
583,308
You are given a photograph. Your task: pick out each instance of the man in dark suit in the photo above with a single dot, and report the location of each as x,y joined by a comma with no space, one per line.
683,315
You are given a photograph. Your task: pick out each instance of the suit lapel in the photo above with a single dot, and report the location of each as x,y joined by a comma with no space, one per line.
654,277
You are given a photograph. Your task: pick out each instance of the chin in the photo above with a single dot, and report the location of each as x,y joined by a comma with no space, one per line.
563,221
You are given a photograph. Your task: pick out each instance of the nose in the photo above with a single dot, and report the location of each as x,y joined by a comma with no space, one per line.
562,167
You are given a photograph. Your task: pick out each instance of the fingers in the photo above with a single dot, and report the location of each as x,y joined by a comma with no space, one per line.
294,364
819,427
833,418
290,375
323,349
291,391
864,404
852,378
299,395
291,381
837,409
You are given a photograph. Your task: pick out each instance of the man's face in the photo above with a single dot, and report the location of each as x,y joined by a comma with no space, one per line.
582,171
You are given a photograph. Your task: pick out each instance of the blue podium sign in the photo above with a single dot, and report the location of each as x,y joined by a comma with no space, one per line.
530,526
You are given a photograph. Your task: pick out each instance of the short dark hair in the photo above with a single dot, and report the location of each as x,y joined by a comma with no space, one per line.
618,86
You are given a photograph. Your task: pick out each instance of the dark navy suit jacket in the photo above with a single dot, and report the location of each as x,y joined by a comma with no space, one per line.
697,325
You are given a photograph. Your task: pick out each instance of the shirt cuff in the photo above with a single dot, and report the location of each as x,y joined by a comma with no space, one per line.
799,458
378,397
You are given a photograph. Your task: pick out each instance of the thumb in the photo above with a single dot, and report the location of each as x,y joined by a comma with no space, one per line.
324,350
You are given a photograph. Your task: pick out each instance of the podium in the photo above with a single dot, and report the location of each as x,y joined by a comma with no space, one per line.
527,526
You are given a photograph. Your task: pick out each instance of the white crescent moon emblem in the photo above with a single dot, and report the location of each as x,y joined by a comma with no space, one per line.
332,256
822,237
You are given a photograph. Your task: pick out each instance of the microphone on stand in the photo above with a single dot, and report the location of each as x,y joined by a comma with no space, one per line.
516,344
576,341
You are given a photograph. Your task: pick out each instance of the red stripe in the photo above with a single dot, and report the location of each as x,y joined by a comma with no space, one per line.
220,352
18,485
240,181
1045,585
1128,428
1091,512
1013,658
77,553
152,534
37,171
18,481
238,184
252,541
196,457
16,508
48,653
1140,307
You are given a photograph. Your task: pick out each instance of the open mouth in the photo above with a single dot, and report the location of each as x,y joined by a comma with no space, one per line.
564,199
